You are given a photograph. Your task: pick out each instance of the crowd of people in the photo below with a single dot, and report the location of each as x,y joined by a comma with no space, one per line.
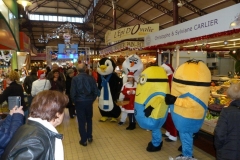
30,130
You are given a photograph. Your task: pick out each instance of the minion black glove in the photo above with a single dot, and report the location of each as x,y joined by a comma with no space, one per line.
170,99
148,111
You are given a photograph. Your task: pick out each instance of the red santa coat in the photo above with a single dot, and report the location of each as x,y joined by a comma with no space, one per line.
125,95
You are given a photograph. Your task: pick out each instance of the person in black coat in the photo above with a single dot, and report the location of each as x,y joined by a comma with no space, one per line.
70,106
27,84
13,89
227,131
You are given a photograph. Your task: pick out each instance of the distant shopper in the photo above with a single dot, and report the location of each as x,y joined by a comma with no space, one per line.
57,83
9,125
83,93
70,106
13,89
47,70
227,131
27,84
41,84
50,74
39,139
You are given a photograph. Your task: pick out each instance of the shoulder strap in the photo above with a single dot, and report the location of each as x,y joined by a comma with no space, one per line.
44,84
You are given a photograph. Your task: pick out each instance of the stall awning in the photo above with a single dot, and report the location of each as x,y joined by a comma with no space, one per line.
7,39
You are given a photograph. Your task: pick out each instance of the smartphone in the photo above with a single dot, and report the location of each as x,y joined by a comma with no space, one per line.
14,101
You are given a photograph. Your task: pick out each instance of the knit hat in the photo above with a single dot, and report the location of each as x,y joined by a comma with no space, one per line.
168,68
130,74
69,71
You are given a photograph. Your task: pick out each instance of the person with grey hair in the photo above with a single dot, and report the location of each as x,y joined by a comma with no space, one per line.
227,131
70,106
83,92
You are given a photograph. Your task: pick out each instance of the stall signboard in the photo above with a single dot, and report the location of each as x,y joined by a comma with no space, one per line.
137,31
219,21
123,45
24,42
39,57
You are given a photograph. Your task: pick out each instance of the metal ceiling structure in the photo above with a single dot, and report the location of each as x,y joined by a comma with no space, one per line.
100,16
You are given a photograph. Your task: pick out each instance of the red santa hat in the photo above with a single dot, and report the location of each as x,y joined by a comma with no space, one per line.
41,74
130,74
168,68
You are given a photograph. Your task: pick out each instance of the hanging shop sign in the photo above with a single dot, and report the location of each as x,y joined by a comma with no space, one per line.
39,57
137,31
123,46
24,42
227,19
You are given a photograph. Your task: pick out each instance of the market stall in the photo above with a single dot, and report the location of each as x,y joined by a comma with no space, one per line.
217,32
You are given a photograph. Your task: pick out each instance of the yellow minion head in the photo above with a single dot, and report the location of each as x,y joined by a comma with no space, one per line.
153,81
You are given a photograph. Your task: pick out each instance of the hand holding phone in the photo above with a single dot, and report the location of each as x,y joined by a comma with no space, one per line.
17,110
14,101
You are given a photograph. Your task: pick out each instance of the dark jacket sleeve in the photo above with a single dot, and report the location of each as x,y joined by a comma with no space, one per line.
220,132
8,128
4,95
33,150
73,89
25,85
94,88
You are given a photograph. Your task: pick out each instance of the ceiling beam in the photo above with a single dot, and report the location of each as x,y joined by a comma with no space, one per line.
79,12
193,8
163,9
79,4
89,18
101,15
39,5
129,13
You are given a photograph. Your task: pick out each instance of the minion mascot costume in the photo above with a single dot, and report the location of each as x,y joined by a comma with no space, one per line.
109,85
188,101
150,107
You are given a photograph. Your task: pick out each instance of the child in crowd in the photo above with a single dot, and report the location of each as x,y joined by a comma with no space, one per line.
128,93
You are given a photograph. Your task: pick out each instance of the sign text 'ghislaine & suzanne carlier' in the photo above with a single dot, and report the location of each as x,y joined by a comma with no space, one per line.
137,31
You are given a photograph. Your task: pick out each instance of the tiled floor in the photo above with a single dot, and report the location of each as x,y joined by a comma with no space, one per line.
113,142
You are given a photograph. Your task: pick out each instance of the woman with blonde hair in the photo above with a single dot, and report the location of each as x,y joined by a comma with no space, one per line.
227,131
13,89
38,138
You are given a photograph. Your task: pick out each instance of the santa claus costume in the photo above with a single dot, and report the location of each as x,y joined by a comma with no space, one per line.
171,131
128,93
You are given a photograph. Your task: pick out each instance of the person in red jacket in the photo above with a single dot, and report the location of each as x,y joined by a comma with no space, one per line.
128,93
171,131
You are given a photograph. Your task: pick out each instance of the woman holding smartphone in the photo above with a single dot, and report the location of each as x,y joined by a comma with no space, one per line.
13,89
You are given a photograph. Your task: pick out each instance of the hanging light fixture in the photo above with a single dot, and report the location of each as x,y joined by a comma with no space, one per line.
24,3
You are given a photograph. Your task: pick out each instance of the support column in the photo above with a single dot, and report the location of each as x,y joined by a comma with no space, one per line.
114,13
175,12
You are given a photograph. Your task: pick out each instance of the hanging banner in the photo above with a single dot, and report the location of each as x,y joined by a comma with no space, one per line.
122,46
137,31
219,21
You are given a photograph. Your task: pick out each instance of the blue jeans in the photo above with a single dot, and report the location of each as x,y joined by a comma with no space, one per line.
84,111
